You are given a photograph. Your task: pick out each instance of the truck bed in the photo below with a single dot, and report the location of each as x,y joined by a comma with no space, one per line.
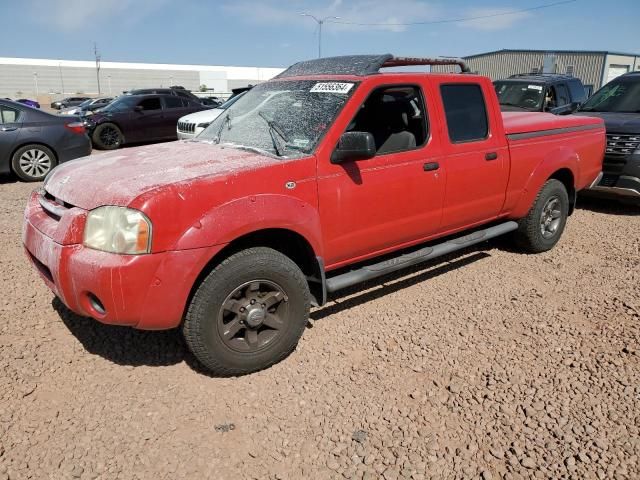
529,122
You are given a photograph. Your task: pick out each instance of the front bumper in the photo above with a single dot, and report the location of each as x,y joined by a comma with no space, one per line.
143,291
620,178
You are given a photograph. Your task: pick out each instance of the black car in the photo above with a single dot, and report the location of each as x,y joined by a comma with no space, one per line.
139,118
32,142
554,93
618,104
88,106
68,102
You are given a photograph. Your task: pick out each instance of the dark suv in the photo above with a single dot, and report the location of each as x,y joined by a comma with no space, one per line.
139,118
554,93
177,91
618,104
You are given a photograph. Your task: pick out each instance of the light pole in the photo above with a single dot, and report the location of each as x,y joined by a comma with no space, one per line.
320,22
35,80
109,77
61,79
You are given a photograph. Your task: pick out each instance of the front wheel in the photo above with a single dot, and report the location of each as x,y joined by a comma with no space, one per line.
542,228
248,313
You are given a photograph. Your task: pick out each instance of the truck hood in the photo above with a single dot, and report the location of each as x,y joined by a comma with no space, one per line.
617,122
118,177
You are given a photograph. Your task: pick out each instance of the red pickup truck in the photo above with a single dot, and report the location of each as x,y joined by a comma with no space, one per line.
328,175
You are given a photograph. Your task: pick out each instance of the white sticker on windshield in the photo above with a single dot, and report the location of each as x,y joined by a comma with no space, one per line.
332,87
535,87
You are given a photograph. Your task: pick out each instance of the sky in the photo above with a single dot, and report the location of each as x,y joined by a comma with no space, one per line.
272,33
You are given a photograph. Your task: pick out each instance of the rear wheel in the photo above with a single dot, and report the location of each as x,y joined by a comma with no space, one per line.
542,228
248,313
107,136
33,162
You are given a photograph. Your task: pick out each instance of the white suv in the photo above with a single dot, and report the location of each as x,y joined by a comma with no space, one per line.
191,125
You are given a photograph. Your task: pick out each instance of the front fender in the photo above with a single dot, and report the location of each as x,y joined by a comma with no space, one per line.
561,157
239,217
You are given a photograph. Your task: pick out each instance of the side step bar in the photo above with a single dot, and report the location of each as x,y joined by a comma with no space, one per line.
368,272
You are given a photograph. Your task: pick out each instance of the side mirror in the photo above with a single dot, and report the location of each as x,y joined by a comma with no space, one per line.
354,146
138,108
565,109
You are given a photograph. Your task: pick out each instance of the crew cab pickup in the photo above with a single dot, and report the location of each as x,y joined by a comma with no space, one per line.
335,172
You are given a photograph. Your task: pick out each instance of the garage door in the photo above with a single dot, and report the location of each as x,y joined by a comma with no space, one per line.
616,70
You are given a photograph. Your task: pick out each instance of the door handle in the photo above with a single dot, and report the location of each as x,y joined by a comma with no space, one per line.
8,129
431,166
491,156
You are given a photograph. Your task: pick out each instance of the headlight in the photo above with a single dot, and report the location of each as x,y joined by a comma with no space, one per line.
204,125
118,230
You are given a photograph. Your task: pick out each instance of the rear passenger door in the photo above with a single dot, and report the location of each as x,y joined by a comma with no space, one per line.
9,127
174,108
477,157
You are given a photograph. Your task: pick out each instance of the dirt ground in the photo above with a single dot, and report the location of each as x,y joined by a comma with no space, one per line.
489,364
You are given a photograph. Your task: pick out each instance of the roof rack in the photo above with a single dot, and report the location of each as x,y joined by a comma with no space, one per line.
361,65
554,75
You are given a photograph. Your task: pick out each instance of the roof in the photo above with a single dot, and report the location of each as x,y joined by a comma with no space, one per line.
539,77
575,52
362,65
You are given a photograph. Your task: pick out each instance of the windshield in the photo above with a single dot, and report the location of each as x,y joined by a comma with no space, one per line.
524,95
231,101
286,118
121,104
620,96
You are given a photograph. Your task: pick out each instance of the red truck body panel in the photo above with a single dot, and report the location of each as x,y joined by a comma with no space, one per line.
202,197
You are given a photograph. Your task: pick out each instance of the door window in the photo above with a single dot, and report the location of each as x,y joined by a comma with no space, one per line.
466,112
150,104
8,115
173,102
395,116
562,94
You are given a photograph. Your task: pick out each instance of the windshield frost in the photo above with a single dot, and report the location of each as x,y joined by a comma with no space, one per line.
623,96
520,94
286,118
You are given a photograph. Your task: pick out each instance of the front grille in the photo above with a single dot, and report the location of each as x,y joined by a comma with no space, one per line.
52,206
186,127
622,144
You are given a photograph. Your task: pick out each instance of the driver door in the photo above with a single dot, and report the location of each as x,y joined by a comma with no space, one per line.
147,123
393,199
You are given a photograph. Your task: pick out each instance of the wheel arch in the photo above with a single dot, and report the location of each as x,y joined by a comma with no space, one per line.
286,241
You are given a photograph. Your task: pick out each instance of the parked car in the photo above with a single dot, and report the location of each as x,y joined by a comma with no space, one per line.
138,118
29,103
618,104
87,107
191,125
32,142
554,93
341,176
68,102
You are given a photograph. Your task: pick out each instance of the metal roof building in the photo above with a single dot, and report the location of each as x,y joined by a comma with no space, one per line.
594,68
28,77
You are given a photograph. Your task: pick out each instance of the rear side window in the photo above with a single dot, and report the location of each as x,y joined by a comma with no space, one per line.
150,104
173,102
577,91
466,112
8,115
563,94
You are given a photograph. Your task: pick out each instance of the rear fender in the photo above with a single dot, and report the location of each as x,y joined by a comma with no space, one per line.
239,217
557,159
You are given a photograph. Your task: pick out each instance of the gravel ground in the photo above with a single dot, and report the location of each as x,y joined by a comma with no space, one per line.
489,364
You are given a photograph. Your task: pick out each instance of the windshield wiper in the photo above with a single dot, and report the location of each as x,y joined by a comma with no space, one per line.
226,121
274,129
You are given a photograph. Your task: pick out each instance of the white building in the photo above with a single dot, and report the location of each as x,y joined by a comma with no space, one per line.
29,77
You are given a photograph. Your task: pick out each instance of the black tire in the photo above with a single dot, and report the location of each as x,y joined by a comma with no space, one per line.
33,162
215,312
542,228
107,136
